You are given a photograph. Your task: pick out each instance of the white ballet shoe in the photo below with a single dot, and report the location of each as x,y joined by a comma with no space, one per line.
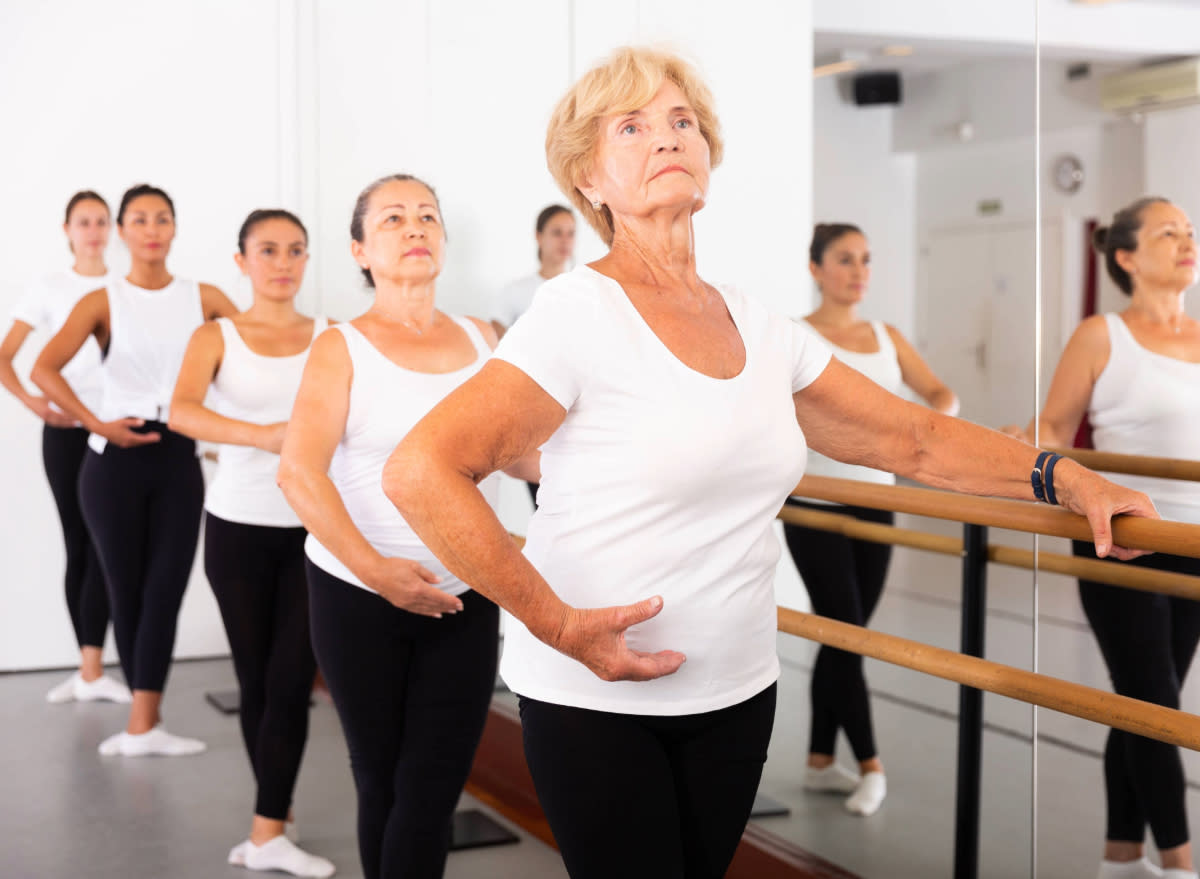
111,746
155,743
1139,869
869,795
281,853
64,692
1175,873
237,854
831,779
103,689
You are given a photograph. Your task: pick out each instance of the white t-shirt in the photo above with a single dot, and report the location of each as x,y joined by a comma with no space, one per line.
660,480
1144,403
46,306
881,367
386,400
260,389
513,301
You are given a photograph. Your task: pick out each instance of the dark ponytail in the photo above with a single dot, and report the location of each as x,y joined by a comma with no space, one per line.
824,234
1121,234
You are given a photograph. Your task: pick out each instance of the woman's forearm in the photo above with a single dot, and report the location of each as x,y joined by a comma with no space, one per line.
315,499
58,390
445,508
201,423
12,383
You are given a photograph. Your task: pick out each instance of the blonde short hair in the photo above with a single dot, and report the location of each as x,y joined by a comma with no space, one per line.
629,79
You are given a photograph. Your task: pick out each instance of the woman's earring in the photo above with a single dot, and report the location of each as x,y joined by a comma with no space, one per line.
596,205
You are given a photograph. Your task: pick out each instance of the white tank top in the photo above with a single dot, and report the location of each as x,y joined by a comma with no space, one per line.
259,389
148,333
386,400
1145,403
881,367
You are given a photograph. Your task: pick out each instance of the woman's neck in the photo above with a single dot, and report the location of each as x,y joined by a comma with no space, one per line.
552,269
658,252
410,304
89,266
835,314
149,275
272,311
1160,306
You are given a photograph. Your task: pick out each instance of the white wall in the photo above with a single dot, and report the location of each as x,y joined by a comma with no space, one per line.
232,106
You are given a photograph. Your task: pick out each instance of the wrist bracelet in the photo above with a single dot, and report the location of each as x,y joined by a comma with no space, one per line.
1048,479
1037,478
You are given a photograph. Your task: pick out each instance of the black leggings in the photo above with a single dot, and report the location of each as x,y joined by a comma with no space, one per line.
1148,641
142,506
844,578
644,796
257,575
63,450
412,693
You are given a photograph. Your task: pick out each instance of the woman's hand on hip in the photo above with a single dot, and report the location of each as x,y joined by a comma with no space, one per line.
409,586
596,637
121,433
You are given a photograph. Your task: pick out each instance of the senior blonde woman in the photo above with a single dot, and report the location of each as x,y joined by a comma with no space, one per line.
672,416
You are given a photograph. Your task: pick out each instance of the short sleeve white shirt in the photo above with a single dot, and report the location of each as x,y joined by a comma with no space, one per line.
660,480
46,306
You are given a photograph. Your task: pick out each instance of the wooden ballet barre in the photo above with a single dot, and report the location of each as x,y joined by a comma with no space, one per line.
1134,465
1122,712
1113,573
1129,531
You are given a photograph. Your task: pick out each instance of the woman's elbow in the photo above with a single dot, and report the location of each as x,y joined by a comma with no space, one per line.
403,474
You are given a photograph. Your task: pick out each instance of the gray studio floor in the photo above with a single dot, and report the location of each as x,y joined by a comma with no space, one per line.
67,813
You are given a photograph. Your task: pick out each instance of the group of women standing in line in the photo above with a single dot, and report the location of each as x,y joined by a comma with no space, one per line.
642,663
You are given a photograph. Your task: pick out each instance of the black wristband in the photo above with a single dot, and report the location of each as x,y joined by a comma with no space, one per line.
1037,477
1048,478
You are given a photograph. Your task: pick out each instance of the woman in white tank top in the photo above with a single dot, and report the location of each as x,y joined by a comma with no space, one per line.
141,486
253,542
44,308
407,649
1137,376
845,577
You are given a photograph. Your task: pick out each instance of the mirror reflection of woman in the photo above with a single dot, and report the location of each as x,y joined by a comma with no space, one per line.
253,541
408,649
845,577
141,488
1136,374
555,232
45,308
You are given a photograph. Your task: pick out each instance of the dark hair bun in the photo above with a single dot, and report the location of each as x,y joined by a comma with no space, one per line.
1100,238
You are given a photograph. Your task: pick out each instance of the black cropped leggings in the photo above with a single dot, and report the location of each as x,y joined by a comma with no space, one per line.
844,578
257,574
1148,641
647,796
63,451
142,506
412,693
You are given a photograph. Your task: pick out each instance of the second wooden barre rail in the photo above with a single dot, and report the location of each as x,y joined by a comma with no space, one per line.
1109,709
1152,534
1114,573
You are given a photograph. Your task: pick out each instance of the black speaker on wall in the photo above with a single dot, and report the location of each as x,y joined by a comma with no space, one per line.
877,88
